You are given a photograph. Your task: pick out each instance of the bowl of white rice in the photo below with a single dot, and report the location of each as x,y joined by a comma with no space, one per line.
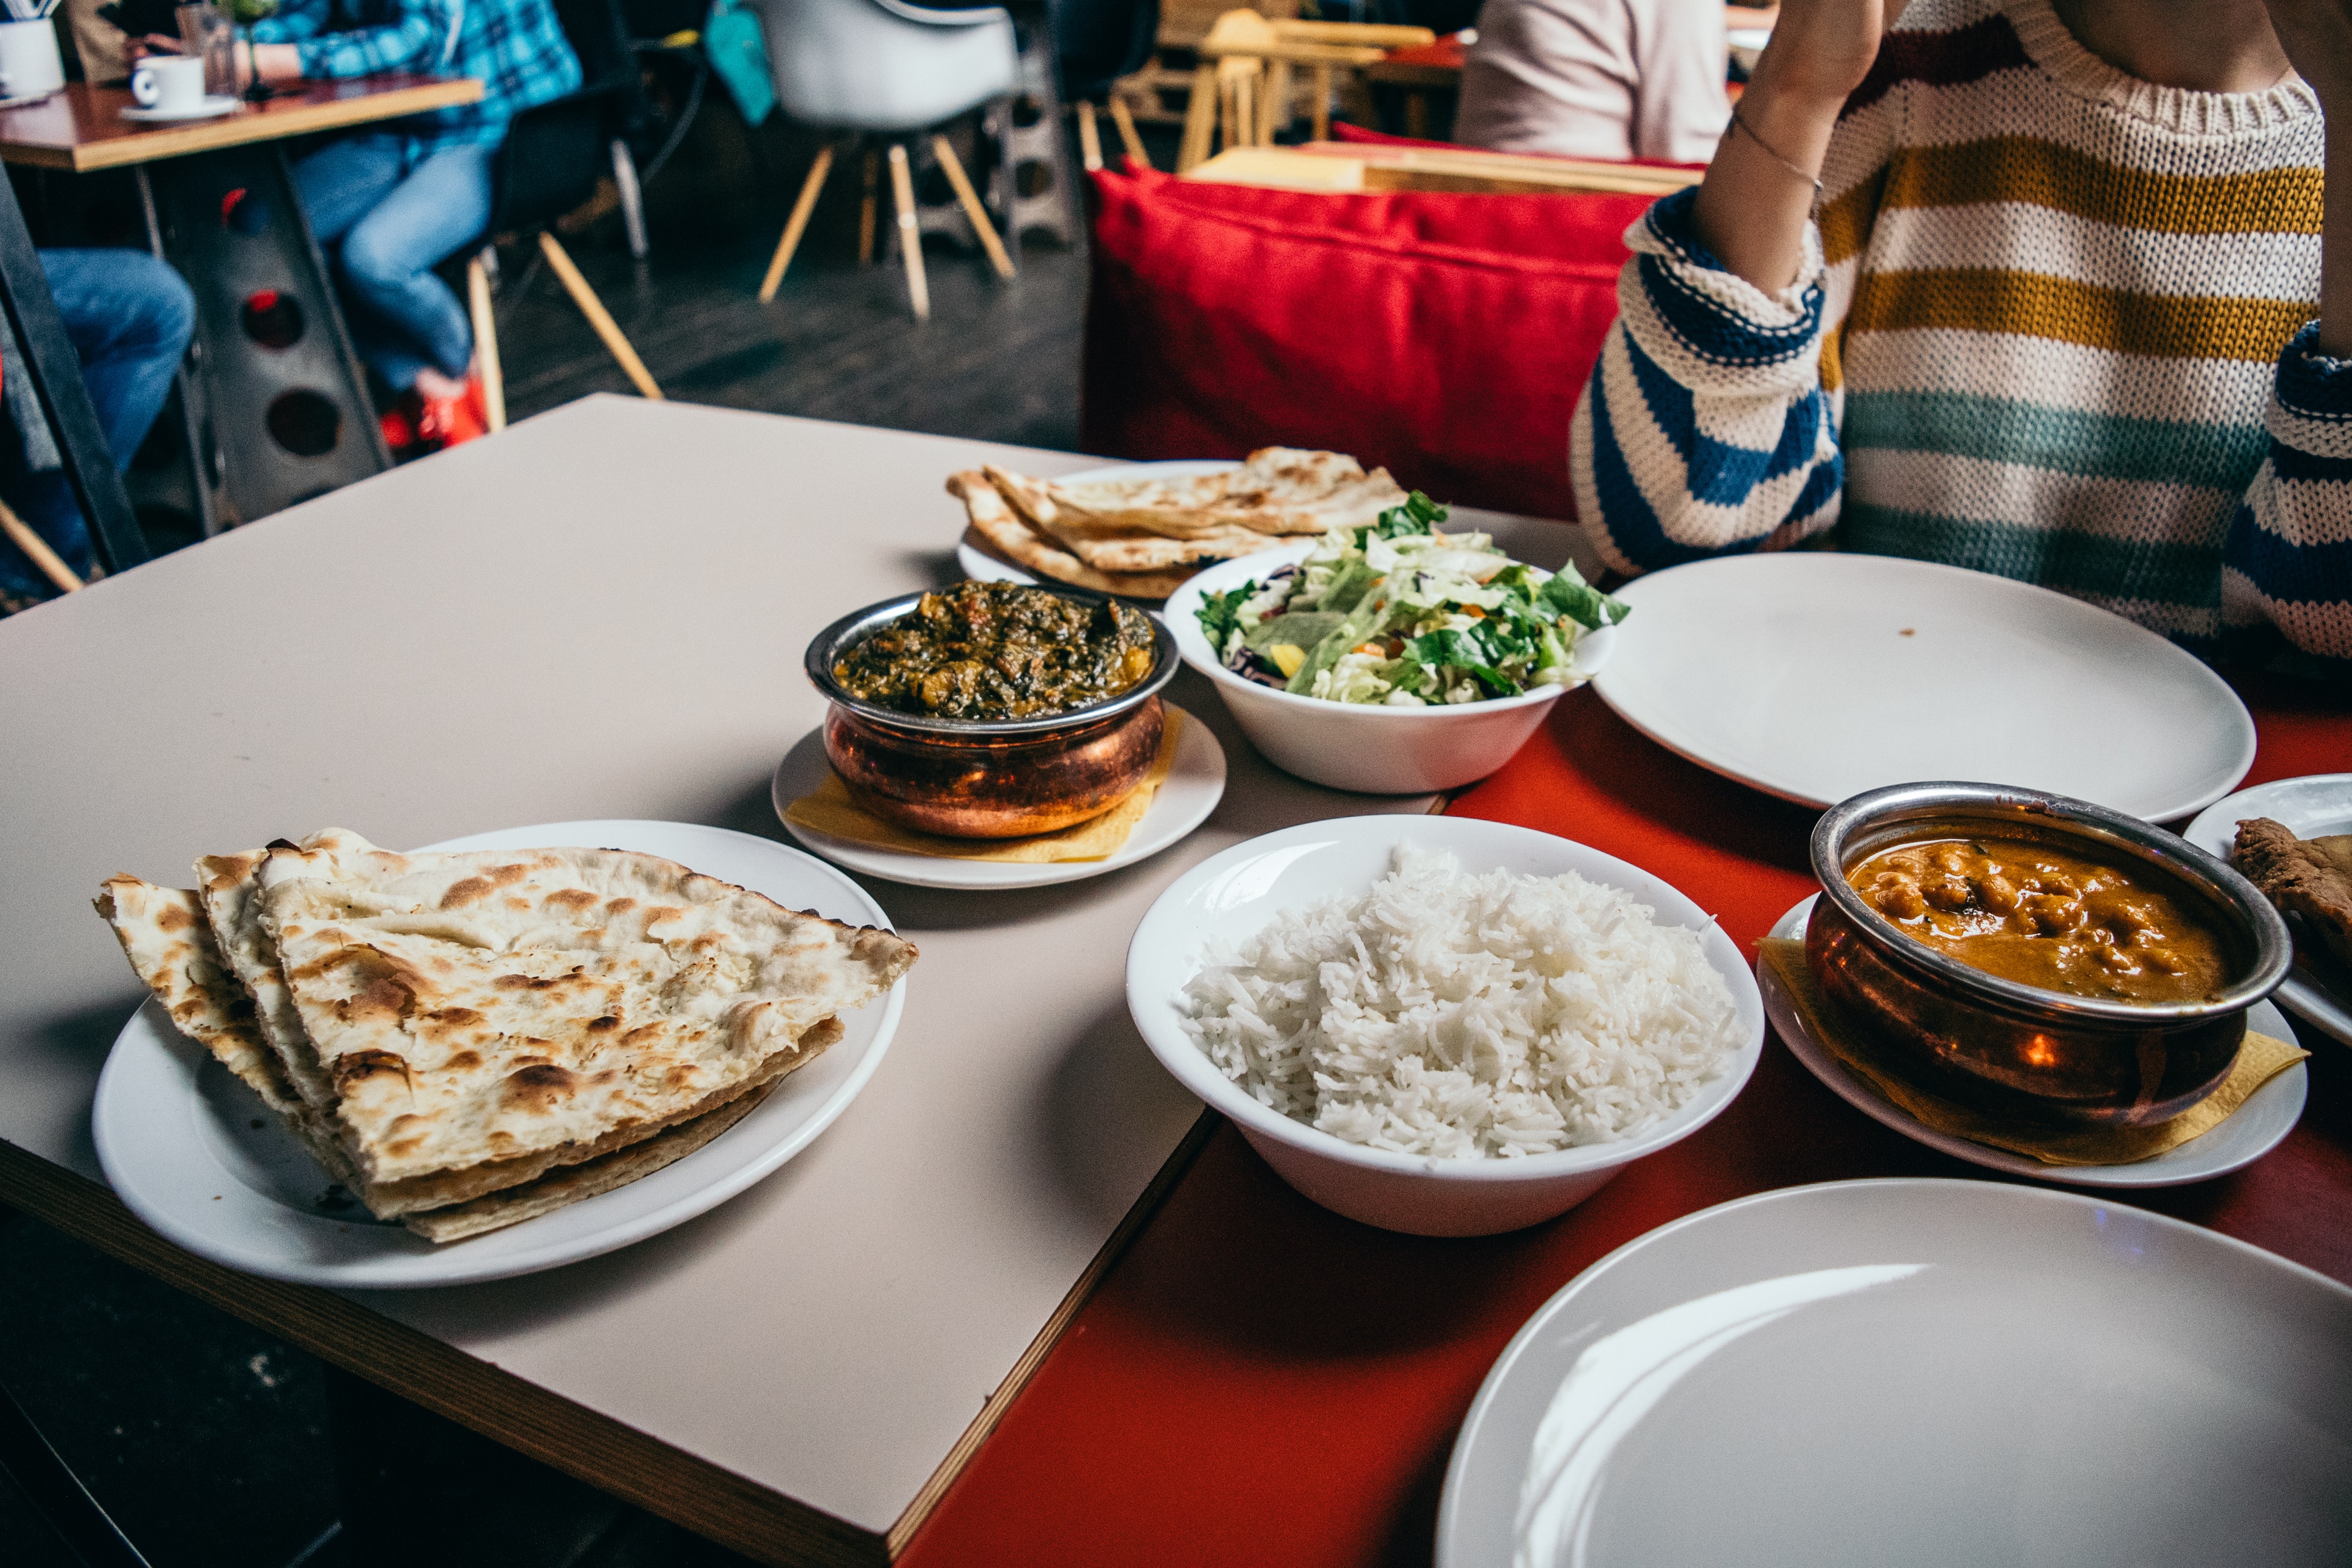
1442,1026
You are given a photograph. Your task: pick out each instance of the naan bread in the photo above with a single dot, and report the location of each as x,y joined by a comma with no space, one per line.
1276,490
230,887
1001,529
481,1014
1112,546
2307,877
570,1185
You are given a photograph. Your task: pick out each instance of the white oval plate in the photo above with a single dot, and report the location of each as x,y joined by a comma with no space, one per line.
1194,785
978,564
193,1153
2308,807
1921,1372
2255,1129
1815,675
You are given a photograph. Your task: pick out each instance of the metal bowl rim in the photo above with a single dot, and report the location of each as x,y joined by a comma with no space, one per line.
2274,945
828,643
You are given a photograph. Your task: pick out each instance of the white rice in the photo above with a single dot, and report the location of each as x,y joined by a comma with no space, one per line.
1467,1016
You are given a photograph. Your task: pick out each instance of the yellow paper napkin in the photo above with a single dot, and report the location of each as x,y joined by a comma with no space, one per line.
2260,1060
833,808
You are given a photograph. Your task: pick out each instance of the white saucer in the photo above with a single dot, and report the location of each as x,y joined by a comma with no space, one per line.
2251,1131
2308,807
194,1154
212,108
1192,789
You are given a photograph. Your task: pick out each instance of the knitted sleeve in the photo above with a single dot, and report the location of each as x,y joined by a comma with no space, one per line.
1709,425
2287,564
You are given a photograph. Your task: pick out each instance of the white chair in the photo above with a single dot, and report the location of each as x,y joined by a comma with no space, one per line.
882,67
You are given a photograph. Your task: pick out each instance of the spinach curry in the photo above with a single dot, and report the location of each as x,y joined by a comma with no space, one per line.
999,651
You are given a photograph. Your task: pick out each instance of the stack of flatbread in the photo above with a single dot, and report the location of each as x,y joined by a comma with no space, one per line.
1143,536
465,1041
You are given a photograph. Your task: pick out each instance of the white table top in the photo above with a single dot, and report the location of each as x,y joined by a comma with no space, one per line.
601,614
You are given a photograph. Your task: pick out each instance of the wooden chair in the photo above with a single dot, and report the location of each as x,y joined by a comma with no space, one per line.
1095,42
1244,87
885,68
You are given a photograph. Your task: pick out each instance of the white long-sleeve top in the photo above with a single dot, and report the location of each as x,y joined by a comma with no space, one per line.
1597,78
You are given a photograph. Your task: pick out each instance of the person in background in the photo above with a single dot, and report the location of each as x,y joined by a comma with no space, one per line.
393,203
2054,321
1597,78
129,318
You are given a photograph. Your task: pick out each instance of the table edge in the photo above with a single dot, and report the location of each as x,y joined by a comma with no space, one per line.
214,135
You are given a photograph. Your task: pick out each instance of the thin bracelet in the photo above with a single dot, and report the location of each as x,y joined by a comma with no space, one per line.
1772,152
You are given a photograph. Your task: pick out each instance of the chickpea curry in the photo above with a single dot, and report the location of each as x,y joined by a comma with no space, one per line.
2023,911
999,651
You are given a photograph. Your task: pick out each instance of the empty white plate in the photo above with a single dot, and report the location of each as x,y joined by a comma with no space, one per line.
192,1152
1193,786
1919,1372
2252,1131
2320,994
1816,675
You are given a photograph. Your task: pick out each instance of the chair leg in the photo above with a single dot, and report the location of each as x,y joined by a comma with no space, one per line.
1320,119
970,199
633,199
1121,116
486,343
911,237
37,549
598,317
1274,112
1200,120
865,209
795,224
1089,138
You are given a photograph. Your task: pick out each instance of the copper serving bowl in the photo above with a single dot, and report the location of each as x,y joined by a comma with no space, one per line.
993,778
2020,1051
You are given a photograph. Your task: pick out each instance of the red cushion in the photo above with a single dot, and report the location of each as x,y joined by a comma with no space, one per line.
1444,336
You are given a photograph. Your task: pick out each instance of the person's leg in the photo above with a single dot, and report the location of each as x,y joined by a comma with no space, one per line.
389,255
129,318
342,181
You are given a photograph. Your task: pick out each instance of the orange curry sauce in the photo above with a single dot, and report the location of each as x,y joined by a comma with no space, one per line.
2026,912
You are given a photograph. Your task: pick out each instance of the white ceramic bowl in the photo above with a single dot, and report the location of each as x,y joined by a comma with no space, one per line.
1235,894
1349,745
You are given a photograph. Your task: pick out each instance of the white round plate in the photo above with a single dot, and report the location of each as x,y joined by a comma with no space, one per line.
1921,1372
2319,993
1816,675
192,1152
978,564
1194,785
2251,1131
212,108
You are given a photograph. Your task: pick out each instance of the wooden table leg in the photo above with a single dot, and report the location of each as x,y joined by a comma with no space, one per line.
911,237
865,209
1319,118
1200,120
1089,138
795,224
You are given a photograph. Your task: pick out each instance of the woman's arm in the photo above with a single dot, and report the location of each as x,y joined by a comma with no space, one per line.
417,39
1759,191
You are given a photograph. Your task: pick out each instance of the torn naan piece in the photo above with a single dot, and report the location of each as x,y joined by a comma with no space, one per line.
1277,491
487,1017
1003,529
1118,547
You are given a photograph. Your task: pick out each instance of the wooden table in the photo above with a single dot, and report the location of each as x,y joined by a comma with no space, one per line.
247,453
81,128
601,613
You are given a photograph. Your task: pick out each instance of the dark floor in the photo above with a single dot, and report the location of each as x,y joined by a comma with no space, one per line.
214,1443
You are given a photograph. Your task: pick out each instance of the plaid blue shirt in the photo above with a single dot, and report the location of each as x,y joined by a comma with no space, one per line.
514,47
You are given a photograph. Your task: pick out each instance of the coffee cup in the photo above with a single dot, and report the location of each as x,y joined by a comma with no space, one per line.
169,84
30,66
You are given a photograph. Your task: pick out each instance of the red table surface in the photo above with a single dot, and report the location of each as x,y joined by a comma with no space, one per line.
1259,1381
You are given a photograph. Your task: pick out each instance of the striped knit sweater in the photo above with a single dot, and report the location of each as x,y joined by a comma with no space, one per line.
2051,325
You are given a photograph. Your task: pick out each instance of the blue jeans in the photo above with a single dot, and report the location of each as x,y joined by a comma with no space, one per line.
129,318
389,221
